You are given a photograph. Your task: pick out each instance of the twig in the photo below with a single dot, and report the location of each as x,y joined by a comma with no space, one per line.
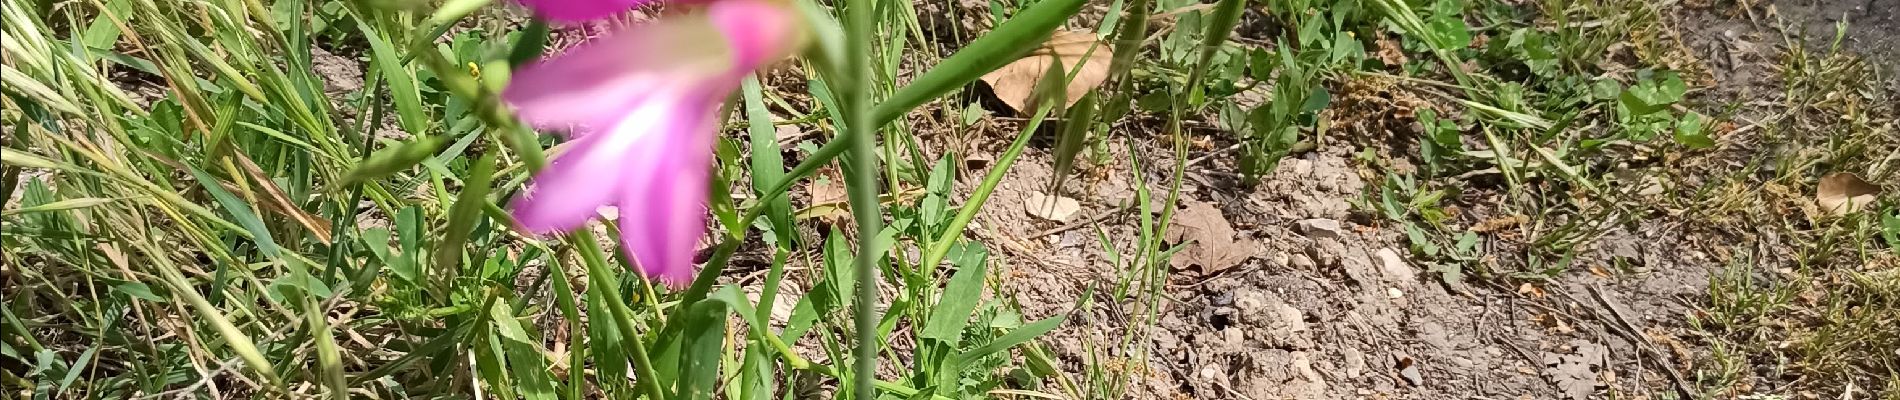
1642,342
1211,154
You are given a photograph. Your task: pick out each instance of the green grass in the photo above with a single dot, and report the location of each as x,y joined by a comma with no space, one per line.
197,213
238,232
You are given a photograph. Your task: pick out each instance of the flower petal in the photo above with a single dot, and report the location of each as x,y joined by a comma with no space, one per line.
587,176
580,10
596,82
643,103
758,31
662,197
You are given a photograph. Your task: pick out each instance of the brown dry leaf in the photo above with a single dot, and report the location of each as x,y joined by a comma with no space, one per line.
1532,290
281,203
1389,52
827,197
1501,223
1053,208
1599,271
830,201
1843,193
1016,83
1214,248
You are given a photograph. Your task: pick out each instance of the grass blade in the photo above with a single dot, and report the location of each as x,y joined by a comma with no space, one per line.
63,205
462,217
239,210
402,84
768,166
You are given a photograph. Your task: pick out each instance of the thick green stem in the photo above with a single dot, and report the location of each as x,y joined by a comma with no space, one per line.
863,188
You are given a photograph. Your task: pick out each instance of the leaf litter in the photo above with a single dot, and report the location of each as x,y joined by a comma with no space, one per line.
1016,83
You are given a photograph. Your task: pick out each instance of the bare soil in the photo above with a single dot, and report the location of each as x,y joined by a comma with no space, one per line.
1346,312
1319,314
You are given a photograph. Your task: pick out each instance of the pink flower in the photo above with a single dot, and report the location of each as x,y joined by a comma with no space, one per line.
641,107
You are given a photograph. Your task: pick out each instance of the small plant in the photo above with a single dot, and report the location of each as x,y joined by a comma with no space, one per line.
1645,111
1274,128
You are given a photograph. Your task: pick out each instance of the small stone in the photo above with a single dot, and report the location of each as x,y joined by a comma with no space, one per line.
1300,166
1408,369
1251,303
1395,268
1318,228
1303,365
1411,375
1355,362
1050,207
1463,363
1233,336
1325,251
1301,261
1294,319
1394,293
1212,373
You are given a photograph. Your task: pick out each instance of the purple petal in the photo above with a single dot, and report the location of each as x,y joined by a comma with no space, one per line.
593,82
565,195
663,194
580,10
758,32
643,103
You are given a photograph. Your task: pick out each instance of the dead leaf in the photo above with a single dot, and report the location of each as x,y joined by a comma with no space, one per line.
1053,208
281,203
1214,248
830,201
1532,290
827,197
1501,223
1599,271
1843,193
1389,52
1576,374
827,187
1016,83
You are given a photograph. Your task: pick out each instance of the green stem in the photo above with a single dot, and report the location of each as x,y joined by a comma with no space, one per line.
941,247
1226,15
599,275
862,187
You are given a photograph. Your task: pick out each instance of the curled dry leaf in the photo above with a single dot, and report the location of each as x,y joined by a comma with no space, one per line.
1016,83
1842,193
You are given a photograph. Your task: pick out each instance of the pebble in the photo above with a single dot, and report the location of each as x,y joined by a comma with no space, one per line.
1301,261
1318,228
1355,362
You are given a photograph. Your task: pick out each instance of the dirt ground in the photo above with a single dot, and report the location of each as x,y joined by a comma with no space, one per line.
1322,300
1326,306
